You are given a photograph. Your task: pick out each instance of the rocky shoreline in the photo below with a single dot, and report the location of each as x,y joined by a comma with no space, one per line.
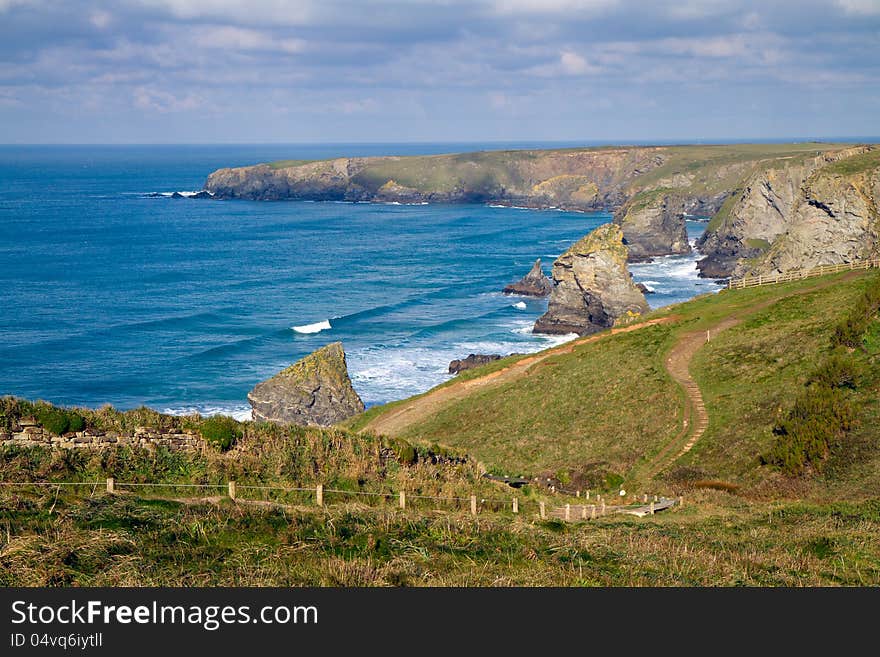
773,208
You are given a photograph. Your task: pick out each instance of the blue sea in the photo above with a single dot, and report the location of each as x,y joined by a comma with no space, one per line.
111,295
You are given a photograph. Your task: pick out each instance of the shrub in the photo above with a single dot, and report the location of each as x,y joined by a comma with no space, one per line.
54,420
58,420
821,416
221,431
836,371
851,330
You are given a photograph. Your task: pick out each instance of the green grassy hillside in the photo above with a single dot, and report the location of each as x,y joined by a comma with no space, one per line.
600,414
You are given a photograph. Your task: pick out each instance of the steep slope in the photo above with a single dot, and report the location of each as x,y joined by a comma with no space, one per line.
607,409
821,209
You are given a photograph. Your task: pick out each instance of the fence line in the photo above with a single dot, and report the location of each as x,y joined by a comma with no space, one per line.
799,274
514,503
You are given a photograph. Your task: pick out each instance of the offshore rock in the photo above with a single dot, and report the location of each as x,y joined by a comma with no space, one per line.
472,361
314,390
534,284
594,290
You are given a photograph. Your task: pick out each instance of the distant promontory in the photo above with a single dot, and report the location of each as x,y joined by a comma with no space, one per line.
769,207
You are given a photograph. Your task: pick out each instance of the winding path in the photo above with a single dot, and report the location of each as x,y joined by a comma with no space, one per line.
695,419
396,420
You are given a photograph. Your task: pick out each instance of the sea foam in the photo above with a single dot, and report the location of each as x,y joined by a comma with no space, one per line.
317,327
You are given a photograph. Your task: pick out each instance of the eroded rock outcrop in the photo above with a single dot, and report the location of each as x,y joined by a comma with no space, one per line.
783,217
472,361
653,222
534,284
314,390
594,288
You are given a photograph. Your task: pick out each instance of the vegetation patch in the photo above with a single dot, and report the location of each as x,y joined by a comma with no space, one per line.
221,431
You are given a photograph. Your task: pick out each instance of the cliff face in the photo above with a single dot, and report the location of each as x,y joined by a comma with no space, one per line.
755,193
782,219
314,390
835,220
593,289
574,179
653,222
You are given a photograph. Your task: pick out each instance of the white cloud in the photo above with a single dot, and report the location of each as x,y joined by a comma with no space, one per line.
237,38
100,19
573,64
550,6
248,12
860,6
163,102
9,4
733,45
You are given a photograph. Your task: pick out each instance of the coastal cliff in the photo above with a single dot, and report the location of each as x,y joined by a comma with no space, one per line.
575,179
315,390
797,214
754,194
594,289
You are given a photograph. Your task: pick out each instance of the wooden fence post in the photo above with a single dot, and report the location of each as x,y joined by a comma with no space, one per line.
651,509
603,507
543,510
567,512
515,505
584,512
473,505
588,493
577,493
231,489
644,498
680,501
110,485
319,494
592,512
402,500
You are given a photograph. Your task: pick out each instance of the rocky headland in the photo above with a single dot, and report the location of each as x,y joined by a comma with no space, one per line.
315,390
594,288
773,207
534,284
798,214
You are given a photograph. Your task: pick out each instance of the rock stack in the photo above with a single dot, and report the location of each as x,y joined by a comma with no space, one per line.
594,289
313,391
534,284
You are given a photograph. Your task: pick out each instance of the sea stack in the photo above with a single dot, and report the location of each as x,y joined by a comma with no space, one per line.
594,289
313,391
534,284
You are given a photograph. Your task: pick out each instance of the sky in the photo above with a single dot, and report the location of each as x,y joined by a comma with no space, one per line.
252,71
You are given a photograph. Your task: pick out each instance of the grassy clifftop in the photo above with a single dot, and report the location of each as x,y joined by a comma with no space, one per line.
603,412
586,178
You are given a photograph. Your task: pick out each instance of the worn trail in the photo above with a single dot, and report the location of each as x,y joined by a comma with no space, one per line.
396,420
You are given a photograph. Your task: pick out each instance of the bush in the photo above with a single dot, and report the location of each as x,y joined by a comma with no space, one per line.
821,416
837,371
221,431
58,420
851,330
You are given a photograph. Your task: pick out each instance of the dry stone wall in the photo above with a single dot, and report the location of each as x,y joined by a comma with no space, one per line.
28,432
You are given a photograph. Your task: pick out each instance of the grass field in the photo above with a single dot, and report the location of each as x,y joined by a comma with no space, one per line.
715,540
592,417
597,414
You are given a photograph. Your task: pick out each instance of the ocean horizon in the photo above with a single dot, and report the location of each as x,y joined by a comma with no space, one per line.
117,293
